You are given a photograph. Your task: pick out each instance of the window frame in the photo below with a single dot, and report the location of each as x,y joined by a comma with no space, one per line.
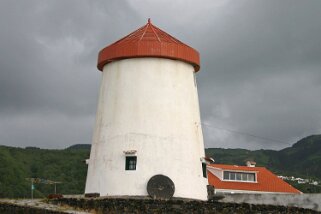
129,166
239,176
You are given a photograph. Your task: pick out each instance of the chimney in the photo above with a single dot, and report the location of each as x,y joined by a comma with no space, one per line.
250,163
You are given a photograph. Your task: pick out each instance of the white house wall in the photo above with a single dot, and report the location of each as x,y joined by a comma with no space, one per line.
217,172
234,191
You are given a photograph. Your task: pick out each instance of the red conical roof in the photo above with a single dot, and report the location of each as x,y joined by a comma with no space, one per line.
148,41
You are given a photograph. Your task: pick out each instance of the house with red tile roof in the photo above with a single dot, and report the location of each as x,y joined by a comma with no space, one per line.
246,179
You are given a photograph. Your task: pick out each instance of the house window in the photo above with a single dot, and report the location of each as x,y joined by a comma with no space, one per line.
232,175
251,177
131,162
239,176
226,176
204,170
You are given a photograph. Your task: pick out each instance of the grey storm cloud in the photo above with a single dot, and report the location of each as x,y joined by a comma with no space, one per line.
259,84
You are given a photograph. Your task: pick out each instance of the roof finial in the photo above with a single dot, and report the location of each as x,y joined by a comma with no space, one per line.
149,21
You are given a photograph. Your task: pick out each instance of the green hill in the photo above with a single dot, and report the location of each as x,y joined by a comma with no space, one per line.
302,159
68,166
80,146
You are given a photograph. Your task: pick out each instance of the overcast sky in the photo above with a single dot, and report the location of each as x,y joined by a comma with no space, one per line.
259,83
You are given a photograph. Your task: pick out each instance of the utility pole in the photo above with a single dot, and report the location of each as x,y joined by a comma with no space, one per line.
41,181
55,183
32,188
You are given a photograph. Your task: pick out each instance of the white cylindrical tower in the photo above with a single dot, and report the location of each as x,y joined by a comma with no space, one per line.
148,120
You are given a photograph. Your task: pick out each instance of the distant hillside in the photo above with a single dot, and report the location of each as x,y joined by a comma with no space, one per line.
80,146
16,164
303,159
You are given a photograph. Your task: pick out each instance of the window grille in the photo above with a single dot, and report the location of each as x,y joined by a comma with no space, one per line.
131,162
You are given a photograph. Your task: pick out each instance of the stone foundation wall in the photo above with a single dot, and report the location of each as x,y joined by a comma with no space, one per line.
128,205
9,208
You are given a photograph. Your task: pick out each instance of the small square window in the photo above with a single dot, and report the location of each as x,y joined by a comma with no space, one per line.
131,162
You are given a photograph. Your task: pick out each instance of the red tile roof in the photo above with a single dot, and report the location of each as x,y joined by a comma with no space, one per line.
266,180
148,41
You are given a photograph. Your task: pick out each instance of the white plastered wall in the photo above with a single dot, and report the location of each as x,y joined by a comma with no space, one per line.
149,105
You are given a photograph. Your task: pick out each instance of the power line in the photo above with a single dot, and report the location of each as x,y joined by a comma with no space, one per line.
247,134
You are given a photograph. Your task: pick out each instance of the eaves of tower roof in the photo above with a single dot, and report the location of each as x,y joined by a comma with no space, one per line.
149,41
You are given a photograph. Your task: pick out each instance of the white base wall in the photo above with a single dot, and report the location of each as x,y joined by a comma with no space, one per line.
149,105
308,201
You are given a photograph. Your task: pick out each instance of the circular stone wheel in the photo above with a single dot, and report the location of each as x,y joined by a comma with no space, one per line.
160,187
